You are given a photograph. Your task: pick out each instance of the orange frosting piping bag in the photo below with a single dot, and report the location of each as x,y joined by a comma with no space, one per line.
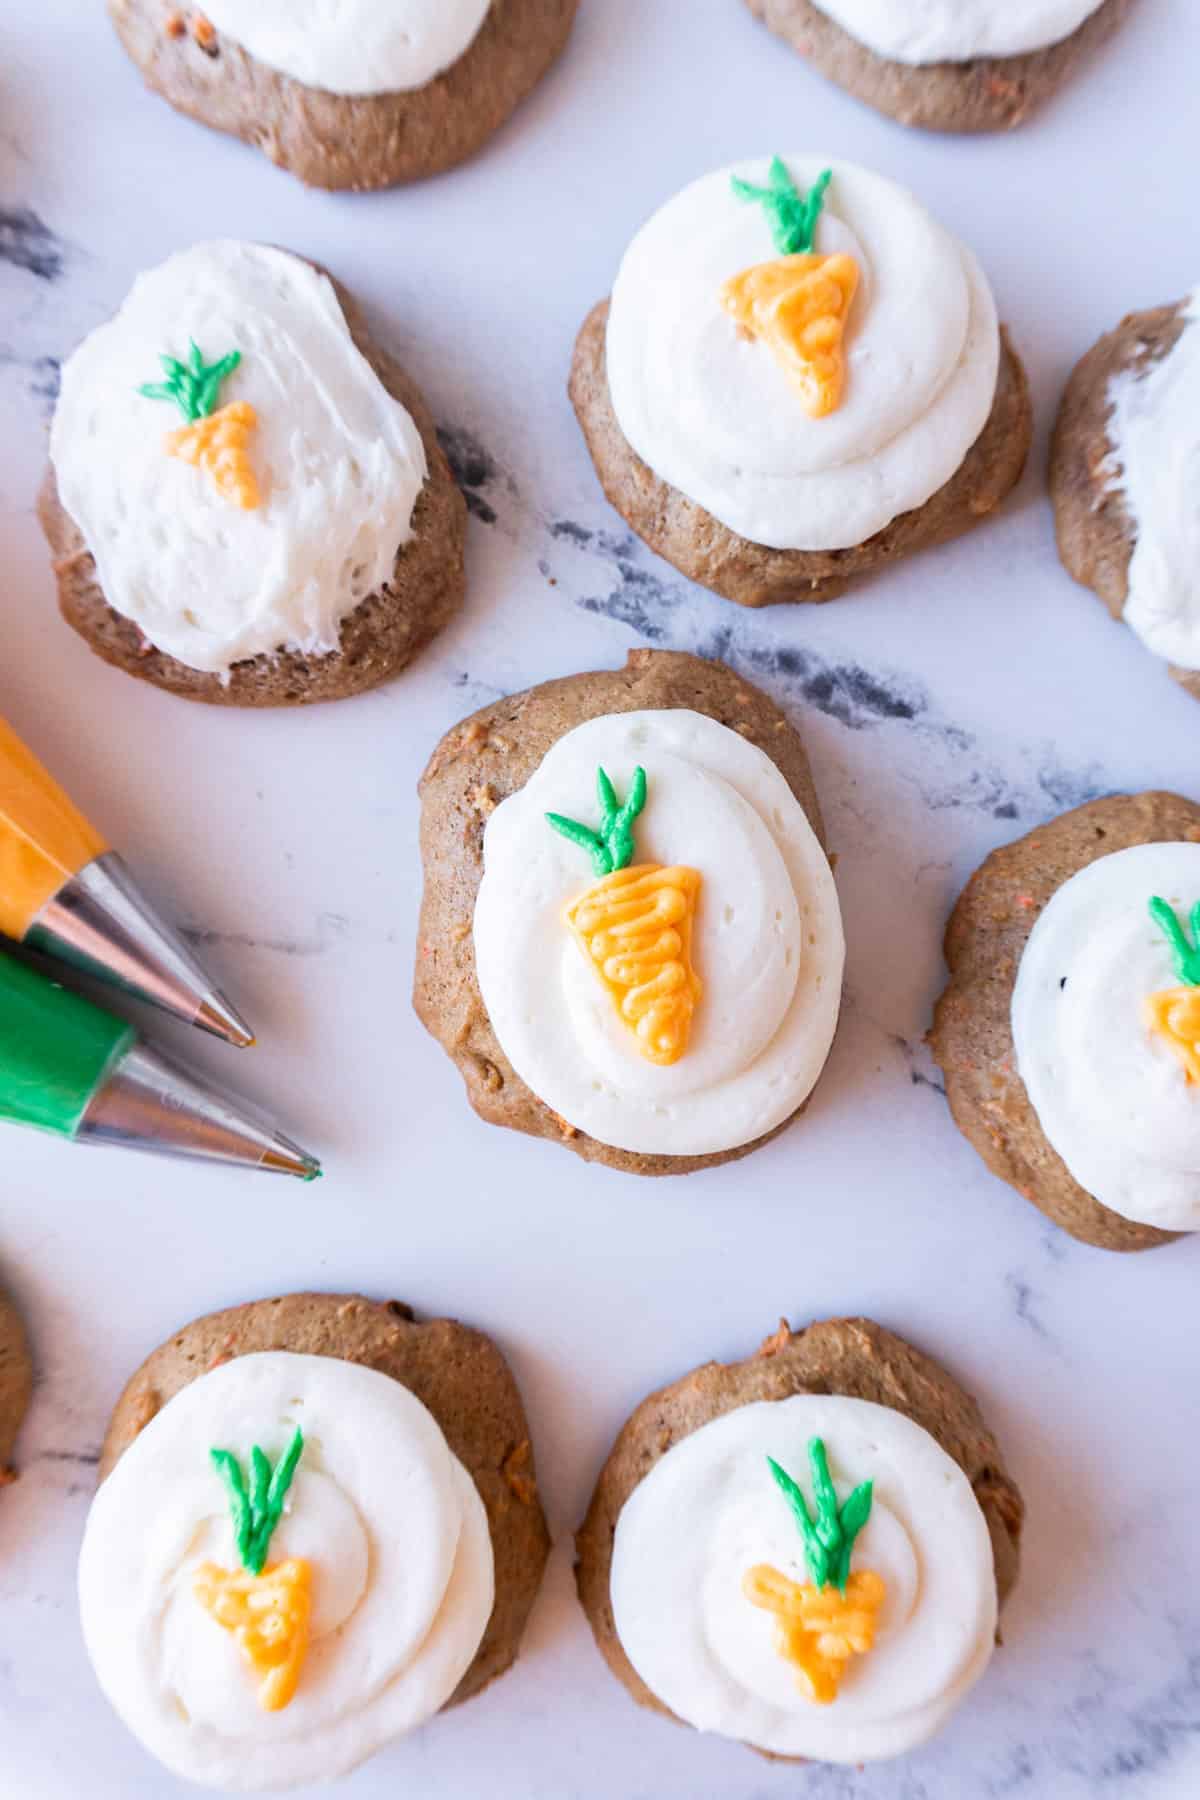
65,893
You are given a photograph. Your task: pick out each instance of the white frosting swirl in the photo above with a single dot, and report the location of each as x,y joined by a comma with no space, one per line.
338,462
708,1511
768,942
1154,428
1109,1094
928,31
402,1566
710,410
352,46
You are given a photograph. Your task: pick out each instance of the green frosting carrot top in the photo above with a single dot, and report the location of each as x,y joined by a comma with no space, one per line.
256,1511
1184,955
792,215
192,386
610,848
829,1538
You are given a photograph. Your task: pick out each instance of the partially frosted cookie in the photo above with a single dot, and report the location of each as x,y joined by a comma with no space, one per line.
805,1551
348,93
1125,480
947,65
246,499
798,378
630,939
16,1383
1069,1033
317,1526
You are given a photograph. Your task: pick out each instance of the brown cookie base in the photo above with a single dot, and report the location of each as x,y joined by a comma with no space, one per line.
16,1384
972,1027
480,763
1096,535
753,574
989,93
457,1373
359,141
378,639
835,1356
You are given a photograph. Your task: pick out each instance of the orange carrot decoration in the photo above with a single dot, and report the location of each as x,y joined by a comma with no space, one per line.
821,1624
212,440
267,1608
799,303
635,926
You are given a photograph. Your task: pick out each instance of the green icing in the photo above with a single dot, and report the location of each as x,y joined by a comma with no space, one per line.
1184,955
611,847
792,215
829,1538
256,1510
192,386
56,1049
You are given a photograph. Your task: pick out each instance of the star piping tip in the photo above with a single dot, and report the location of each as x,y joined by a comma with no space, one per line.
214,1014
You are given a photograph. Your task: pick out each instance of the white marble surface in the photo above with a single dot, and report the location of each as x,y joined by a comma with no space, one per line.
948,706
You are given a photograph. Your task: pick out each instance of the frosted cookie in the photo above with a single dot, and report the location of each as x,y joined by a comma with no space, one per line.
1069,1033
947,65
246,499
348,93
317,1526
799,377
16,1384
805,1551
630,941
1124,469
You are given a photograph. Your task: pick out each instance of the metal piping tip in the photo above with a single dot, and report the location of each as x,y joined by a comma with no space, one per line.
286,1158
214,1014
100,922
150,1102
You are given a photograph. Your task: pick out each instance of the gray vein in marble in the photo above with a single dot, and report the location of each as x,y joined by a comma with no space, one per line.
476,471
27,242
662,608
920,1063
331,929
43,376
1025,1302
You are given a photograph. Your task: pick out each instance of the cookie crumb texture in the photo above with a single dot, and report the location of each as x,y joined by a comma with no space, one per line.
378,639
494,753
456,1372
329,140
972,1028
989,93
1096,534
753,574
854,1357
16,1384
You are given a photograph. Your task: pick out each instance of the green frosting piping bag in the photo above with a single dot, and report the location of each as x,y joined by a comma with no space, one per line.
69,1067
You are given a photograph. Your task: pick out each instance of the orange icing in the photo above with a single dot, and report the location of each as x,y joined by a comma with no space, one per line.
218,443
43,839
269,1617
1174,1013
818,1629
799,306
635,928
